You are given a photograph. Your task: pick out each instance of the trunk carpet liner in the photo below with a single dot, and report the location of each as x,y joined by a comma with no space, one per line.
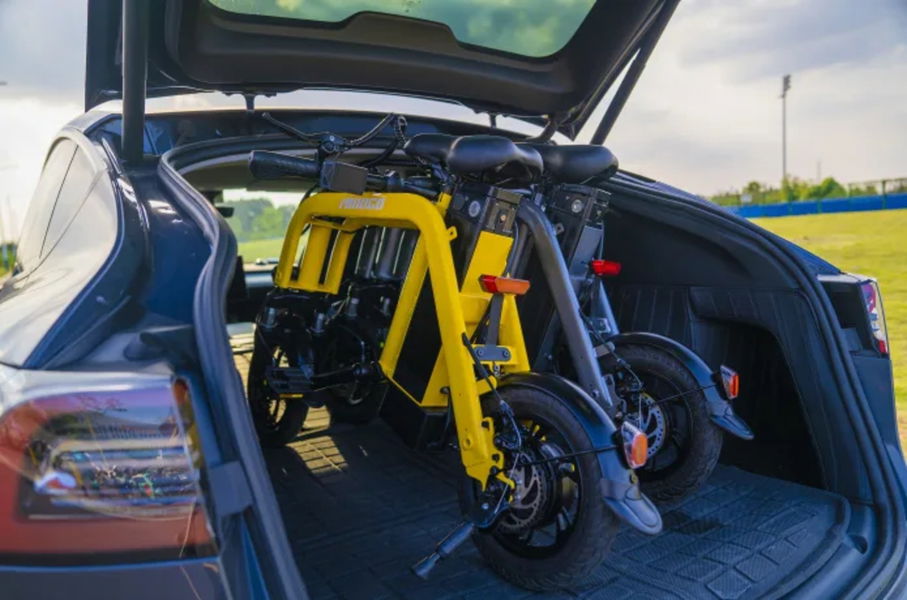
360,508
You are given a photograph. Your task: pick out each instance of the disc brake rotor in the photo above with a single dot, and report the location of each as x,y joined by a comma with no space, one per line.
534,493
649,417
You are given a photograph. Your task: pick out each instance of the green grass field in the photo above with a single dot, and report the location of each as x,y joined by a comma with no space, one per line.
260,249
870,243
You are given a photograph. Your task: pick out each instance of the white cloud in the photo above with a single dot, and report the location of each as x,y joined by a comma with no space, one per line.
705,115
28,126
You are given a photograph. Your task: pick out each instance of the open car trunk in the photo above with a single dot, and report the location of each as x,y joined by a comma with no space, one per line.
805,509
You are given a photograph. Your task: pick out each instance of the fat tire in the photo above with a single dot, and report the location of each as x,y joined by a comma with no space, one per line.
700,457
596,525
293,418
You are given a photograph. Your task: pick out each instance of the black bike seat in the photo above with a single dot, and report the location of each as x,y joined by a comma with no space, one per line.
494,158
432,147
576,163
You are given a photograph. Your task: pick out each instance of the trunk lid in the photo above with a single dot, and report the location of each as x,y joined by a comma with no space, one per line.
534,59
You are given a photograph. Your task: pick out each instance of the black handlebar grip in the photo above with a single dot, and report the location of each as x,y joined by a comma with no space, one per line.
273,165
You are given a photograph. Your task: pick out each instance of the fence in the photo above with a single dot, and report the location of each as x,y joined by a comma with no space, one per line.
813,207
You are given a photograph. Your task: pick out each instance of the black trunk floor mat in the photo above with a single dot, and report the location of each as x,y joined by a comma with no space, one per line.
360,508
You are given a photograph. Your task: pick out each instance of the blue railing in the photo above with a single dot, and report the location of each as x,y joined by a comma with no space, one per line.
815,207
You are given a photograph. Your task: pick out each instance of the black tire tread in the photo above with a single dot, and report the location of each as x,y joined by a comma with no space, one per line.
294,415
708,438
597,530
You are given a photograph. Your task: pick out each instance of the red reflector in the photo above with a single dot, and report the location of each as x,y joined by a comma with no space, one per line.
503,285
604,268
730,380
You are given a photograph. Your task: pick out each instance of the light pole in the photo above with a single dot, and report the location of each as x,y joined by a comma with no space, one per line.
5,256
785,85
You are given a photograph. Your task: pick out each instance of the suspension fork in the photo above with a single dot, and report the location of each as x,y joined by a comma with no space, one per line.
569,311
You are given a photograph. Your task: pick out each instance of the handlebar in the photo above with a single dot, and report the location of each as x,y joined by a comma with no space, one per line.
273,165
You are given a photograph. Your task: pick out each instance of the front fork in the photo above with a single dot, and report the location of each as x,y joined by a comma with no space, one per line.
592,398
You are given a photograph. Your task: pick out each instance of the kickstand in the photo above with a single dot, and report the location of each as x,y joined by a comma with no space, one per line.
445,548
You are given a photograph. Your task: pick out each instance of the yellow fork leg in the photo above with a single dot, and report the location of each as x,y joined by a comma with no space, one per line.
474,432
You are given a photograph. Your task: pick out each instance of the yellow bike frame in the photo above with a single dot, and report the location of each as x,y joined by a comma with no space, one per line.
318,240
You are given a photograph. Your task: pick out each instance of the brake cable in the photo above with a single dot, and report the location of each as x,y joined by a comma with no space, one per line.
597,450
312,138
505,409
399,140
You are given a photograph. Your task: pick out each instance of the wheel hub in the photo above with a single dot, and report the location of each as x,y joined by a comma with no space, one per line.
534,492
650,418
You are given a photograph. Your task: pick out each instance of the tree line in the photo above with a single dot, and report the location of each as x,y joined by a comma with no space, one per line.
259,219
794,189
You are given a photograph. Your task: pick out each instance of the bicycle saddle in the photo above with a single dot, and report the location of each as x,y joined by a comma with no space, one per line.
575,163
494,158
432,147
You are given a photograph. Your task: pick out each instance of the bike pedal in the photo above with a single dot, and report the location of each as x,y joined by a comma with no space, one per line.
287,380
445,548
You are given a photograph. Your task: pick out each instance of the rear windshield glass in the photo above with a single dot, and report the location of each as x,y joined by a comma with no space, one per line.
529,27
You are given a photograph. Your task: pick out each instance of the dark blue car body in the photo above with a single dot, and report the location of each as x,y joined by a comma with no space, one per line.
126,272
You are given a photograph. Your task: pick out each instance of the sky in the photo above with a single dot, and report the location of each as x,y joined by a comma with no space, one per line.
705,116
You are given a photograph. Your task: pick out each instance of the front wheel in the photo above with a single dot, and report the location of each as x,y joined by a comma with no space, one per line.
557,529
277,419
673,412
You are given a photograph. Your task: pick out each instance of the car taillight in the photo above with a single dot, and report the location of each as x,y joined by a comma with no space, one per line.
873,301
110,472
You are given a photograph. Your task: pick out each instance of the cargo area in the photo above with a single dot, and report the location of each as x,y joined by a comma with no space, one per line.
360,508
792,512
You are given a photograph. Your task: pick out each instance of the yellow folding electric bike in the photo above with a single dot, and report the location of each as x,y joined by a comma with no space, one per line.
393,293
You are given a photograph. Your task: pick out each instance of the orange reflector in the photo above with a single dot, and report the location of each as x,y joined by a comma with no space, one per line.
636,445
730,380
503,285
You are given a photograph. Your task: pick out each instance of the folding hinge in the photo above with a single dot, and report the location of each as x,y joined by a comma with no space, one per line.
229,489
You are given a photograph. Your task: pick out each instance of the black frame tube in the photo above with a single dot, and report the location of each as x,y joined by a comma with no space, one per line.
135,73
557,275
635,70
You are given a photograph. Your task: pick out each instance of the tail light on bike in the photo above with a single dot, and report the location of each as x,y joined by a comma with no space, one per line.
112,472
635,445
493,284
604,268
872,298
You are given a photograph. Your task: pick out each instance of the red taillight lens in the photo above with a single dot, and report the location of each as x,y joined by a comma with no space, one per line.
730,381
636,445
872,298
604,268
102,472
503,285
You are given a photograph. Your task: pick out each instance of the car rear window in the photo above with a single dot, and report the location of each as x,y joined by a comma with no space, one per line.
533,28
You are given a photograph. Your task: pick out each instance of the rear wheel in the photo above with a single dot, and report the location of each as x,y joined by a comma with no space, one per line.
557,529
277,419
356,402
673,412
